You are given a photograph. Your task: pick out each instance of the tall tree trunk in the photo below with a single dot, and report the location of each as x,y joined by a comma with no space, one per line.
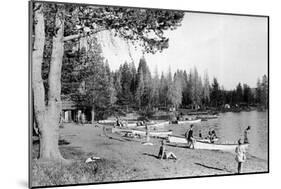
37,60
49,149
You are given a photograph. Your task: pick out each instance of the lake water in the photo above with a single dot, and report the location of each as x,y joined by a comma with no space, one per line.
230,127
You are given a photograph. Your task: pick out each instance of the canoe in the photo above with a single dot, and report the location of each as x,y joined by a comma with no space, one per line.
221,147
149,124
182,140
107,121
206,117
206,145
187,121
142,133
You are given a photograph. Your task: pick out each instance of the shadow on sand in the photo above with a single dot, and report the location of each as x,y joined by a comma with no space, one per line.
151,155
214,168
175,145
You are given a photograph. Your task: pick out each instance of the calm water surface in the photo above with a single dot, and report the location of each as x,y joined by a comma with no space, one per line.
230,127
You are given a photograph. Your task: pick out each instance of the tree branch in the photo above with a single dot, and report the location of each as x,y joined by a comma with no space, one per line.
81,35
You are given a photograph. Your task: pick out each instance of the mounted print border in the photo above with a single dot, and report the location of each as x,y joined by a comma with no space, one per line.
127,94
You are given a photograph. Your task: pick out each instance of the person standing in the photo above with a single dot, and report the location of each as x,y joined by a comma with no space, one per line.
246,134
240,155
189,137
147,133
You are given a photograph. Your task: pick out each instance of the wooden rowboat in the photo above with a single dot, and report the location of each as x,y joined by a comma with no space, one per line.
151,124
206,145
142,133
107,121
208,117
192,121
182,140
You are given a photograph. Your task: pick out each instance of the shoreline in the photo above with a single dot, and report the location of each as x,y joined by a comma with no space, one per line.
130,160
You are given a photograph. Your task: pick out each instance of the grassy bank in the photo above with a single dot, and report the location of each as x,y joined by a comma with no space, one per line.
50,173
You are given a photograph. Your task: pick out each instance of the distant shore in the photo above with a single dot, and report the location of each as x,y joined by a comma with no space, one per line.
134,161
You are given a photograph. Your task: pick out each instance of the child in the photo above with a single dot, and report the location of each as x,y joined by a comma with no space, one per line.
240,155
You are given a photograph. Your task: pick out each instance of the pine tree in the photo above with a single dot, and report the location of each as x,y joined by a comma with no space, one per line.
126,80
215,93
206,89
264,91
155,89
163,89
140,89
239,93
146,79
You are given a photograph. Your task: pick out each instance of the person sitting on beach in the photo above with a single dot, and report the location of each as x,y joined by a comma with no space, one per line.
213,136
163,154
209,134
240,155
246,133
189,137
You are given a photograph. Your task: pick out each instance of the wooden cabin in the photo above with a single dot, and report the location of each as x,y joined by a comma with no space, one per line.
72,112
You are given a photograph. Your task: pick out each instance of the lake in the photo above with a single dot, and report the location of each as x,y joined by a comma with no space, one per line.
230,127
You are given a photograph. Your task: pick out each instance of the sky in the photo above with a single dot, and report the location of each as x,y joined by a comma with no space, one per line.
231,48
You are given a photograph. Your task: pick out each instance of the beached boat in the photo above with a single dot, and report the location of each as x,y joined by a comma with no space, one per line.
107,121
182,140
200,144
142,132
151,124
134,124
191,121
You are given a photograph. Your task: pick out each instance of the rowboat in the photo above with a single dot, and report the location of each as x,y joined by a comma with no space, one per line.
192,121
208,117
107,121
133,124
141,132
206,145
151,124
182,140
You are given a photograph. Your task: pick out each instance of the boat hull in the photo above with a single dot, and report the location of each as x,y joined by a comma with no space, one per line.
188,121
202,144
142,133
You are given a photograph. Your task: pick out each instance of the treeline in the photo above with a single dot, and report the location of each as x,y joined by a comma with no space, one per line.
181,89
88,80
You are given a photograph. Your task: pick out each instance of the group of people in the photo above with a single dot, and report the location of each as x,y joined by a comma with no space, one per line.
164,154
240,149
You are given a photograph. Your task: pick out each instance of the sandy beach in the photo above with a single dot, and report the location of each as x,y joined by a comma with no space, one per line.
142,159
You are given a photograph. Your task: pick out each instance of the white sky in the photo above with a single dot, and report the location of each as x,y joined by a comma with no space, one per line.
231,48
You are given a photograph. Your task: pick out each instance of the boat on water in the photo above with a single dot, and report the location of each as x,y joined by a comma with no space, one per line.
206,145
154,125
190,121
142,132
136,124
206,117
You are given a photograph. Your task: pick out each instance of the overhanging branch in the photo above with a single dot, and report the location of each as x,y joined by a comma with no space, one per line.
81,35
